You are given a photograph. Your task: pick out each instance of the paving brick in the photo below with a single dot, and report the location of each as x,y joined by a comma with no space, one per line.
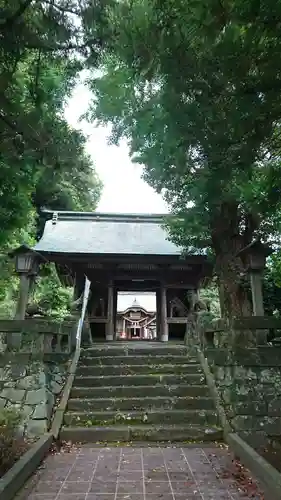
138,474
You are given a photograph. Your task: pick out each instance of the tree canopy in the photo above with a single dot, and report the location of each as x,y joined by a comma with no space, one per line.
195,88
43,160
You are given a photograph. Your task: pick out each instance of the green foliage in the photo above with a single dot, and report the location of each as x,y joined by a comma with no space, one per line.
11,445
272,285
9,281
198,132
210,295
274,268
195,88
42,159
9,420
51,295
43,162
48,287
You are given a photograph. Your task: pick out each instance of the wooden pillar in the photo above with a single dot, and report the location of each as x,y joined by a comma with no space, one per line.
164,322
78,286
115,296
158,314
75,288
110,314
24,289
257,295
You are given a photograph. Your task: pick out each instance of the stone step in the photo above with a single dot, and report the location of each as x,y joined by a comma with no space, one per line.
137,380
86,360
125,350
177,403
140,433
140,391
154,417
99,370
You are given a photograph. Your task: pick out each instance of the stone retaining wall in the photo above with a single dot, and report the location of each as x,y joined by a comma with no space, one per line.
38,335
249,384
31,385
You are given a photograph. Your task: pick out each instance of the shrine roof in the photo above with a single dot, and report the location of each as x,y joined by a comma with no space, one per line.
104,233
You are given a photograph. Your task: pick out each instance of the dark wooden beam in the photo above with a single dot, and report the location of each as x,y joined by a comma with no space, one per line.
177,320
116,260
173,271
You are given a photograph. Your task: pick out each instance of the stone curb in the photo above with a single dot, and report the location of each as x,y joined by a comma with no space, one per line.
214,393
16,477
264,472
59,413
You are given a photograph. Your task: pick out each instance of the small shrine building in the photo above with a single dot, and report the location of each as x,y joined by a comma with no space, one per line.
136,323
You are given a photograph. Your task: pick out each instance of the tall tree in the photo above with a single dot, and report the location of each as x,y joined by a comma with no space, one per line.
43,160
195,88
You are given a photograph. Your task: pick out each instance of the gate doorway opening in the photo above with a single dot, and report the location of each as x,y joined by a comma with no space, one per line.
136,316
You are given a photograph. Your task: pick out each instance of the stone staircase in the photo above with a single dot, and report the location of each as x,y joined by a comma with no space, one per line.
139,392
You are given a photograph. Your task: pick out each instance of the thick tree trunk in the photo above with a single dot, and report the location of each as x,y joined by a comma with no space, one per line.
235,301
234,297
227,241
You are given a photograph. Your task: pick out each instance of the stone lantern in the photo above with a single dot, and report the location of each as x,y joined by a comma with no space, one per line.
254,255
27,264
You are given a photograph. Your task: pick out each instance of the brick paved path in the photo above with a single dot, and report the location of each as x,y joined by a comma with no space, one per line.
138,474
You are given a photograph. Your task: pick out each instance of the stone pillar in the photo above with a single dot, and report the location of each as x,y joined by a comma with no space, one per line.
25,281
110,314
164,322
256,279
257,295
158,314
194,297
255,256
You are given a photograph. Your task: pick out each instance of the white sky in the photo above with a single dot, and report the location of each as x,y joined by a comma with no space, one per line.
124,190
146,300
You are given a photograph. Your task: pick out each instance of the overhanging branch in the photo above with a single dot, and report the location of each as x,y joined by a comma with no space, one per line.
55,48
21,10
62,9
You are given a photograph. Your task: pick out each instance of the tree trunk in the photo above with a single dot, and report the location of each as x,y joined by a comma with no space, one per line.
235,301
234,297
227,241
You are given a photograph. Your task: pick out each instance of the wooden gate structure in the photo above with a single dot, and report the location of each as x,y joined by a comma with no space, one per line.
123,252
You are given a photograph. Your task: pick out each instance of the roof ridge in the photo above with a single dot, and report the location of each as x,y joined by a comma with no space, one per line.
97,233
120,217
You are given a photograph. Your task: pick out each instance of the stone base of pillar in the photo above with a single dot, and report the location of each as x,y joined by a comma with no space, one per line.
109,337
164,338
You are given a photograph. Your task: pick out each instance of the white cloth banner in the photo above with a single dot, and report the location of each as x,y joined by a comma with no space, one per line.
83,312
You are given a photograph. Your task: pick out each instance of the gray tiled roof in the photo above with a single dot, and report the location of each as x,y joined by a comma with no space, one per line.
94,233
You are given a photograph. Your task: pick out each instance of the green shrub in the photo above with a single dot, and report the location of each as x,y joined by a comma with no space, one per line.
12,446
7,309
